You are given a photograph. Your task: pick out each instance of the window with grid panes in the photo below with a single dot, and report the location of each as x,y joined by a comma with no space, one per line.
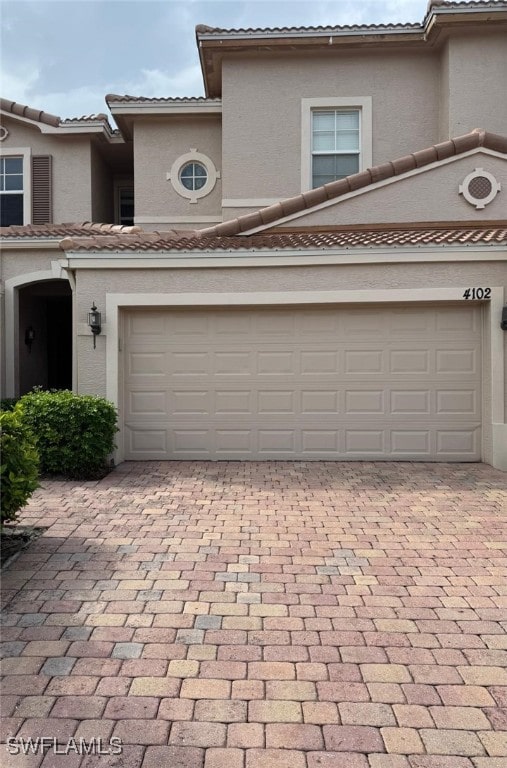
11,191
335,144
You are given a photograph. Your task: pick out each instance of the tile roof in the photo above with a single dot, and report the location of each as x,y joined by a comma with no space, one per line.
394,235
203,29
115,98
307,200
31,114
39,116
100,116
59,231
473,4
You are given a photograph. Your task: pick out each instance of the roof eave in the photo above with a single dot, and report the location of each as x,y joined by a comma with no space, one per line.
436,20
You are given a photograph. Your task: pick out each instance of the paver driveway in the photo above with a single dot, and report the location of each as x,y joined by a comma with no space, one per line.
265,615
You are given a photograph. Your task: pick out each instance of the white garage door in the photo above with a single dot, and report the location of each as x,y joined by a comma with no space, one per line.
401,382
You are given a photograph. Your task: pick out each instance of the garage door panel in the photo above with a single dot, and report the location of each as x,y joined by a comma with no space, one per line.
364,361
409,361
364,441
457,402
320,442
188,402
277,441
147,364
456,361
360,324
359,401
411,441
455,320
189,363
415,402
147,403
319,362
319,401
233,402
147,442
233,363
451,442
409,321
309,382
234,441
275,363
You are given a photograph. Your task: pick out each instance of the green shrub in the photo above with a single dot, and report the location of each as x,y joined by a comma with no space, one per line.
74,433
19,464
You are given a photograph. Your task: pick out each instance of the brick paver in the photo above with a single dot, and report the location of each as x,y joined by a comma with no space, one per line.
263,615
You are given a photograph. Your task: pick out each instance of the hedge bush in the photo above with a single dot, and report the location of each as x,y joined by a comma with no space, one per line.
19,464
74,433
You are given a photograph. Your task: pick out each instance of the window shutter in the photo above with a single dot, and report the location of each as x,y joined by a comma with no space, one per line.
42,210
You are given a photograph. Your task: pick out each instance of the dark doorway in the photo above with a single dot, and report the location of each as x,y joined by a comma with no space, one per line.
45,336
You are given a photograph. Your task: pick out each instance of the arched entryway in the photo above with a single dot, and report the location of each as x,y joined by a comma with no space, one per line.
45,336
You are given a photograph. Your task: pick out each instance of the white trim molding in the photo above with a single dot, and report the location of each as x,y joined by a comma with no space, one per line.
173,259
117,302
26,154
251,202
361,103
479,202
193,156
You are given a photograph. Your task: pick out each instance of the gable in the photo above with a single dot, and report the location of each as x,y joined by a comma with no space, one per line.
429,194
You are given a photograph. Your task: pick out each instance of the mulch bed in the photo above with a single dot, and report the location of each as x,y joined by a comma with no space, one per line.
15,538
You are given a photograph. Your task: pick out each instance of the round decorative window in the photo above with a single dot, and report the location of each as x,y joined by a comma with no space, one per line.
3,132
479,188
193,175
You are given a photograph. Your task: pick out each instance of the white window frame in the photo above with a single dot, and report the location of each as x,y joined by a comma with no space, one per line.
193,195
26,154
363,104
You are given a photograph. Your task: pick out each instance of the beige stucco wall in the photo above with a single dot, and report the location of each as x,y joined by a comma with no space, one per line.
71,167
17,262
261,100
477,83
158,142
428,196
443,85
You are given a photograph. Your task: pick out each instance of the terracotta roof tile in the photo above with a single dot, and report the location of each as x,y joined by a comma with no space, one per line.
14,108
473,140
396,235
59,231
115,98
31,114
203,29
100,116
466,4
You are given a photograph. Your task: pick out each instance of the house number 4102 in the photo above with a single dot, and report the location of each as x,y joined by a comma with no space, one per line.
477,293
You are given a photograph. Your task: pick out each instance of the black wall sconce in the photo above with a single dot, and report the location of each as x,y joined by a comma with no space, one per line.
95,322
29,337
503,322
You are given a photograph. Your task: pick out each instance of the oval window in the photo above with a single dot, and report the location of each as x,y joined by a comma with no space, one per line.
193,176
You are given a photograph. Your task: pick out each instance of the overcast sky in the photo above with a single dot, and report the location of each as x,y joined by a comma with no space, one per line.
63,56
